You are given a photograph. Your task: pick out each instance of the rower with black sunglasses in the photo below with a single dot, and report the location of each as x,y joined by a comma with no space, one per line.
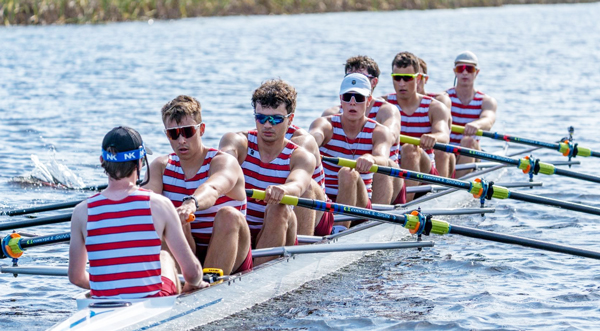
271,163
470,107
205,182
386,189
444,162
352,135
422,117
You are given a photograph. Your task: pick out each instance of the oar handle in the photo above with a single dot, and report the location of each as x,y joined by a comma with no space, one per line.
461,130
260,195
346,163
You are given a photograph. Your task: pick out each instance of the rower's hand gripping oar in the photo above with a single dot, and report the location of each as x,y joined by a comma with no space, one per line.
479,188
528,164
418,224
565,147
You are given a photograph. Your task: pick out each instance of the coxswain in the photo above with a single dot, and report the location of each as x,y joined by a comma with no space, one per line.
120,229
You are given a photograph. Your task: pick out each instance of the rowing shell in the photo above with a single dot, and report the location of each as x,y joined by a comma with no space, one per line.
241,291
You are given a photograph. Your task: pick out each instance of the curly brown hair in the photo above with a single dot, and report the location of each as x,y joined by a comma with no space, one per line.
363,62
406,59
273,93
181,107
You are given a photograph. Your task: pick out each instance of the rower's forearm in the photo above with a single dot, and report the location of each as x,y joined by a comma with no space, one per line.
484,124
442,137
206,196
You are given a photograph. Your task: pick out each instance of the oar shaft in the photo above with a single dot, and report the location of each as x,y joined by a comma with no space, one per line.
336,248
507,239
545,168
435,226
499,192
38,209
553,202
560,147
35,222
45,240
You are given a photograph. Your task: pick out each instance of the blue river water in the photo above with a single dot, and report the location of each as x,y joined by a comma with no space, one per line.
63,87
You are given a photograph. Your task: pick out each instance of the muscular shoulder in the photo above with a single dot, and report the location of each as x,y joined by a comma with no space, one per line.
331,111
223,160
438,110
301,156
159,202
489,101
160,162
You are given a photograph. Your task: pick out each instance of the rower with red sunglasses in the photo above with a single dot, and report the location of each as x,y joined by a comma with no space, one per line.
271,163
470,108
422,117
202,181
444,162
353,136
386,189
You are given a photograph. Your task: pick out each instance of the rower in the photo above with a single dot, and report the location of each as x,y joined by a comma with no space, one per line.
307,218
209,184
353,136
385,189
470,108
422,117
120,230
444,162
272,163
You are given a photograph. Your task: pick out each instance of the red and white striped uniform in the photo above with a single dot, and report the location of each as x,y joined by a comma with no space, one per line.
395,149
318,174
176,187
123,247
418,123
259,175
463,114
341,146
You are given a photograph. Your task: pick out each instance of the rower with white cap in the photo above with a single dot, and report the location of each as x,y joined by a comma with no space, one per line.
470,107
352,135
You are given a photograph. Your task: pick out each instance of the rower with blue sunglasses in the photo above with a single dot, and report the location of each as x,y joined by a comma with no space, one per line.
272,163
352,135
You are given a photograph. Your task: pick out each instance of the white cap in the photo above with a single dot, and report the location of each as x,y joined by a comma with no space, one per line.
466,57
357,83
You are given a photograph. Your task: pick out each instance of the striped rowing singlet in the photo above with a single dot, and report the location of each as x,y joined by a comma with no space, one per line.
176,187
418,123
463,114
123,247
318,174
395,149
340,146
259,175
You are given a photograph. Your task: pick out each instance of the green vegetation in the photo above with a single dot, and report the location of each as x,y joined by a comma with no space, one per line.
24,12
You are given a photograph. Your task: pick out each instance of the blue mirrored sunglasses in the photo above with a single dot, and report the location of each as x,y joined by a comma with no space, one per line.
273,119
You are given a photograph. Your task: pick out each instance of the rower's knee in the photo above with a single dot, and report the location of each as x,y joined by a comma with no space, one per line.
278,215
411,151
441,156
228,219
347,175
469,142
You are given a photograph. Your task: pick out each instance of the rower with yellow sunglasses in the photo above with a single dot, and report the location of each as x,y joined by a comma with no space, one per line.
422,117
470,108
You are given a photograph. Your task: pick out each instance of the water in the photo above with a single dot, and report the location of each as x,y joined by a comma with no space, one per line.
62,88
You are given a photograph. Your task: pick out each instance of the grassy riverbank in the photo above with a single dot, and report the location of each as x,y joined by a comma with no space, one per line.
25,12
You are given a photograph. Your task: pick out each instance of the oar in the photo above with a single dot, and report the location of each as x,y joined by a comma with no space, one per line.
273,251
436,188
419,224
13,245
561,147
11,225
479,188
483,165
527,165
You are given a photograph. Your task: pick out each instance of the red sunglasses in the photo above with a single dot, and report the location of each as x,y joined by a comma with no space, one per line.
460,68
185,131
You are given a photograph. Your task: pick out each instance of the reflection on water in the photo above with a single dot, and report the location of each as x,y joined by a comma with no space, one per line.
62,88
